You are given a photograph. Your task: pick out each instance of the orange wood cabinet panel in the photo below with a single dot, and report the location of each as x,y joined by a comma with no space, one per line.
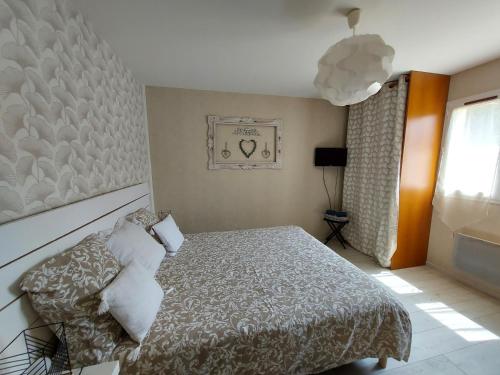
425,111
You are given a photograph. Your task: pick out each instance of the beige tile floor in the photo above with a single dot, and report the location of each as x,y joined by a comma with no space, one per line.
456,329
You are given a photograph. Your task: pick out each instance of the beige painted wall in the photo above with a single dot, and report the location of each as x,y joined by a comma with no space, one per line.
470,82
482,78
205,200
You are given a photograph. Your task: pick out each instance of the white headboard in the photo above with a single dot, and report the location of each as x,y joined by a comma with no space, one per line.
28,241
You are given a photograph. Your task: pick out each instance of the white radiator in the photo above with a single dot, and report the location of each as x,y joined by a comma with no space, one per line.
478,257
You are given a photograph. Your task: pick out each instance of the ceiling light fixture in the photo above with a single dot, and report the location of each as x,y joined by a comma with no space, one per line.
355,68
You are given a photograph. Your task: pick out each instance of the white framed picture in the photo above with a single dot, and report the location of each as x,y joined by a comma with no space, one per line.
244,143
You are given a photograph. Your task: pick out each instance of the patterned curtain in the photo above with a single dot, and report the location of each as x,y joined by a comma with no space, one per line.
371,179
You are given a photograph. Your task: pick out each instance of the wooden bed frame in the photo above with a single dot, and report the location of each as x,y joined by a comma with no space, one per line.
28,241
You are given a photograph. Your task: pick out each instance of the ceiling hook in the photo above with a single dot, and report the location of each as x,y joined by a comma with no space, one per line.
353,19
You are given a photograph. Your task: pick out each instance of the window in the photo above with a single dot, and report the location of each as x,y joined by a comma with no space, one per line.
468,186
471,152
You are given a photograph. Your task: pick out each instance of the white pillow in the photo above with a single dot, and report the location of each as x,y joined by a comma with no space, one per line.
133,298
169,234
130,241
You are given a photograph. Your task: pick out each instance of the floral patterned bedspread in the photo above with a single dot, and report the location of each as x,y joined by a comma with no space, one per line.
267,301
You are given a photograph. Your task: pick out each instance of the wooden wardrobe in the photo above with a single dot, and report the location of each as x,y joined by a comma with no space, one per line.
425,112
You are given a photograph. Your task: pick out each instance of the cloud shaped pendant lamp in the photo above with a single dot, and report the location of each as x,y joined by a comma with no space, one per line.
355,68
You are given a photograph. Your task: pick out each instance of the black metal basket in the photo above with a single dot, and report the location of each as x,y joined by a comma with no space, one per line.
37,351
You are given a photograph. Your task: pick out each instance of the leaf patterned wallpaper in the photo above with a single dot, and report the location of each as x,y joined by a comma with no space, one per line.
72,121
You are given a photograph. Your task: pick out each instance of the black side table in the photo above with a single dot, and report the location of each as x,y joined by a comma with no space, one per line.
336,227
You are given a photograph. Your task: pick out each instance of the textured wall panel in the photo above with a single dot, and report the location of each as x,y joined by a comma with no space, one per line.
72,122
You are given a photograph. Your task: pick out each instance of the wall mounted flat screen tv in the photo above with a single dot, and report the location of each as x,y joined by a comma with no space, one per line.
330,157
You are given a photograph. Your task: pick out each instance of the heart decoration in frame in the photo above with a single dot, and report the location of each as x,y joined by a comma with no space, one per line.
225,153
265,152
247,147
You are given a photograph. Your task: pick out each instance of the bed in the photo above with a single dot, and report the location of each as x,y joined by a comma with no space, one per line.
269,301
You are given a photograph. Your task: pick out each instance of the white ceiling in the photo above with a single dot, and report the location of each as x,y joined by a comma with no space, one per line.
272,46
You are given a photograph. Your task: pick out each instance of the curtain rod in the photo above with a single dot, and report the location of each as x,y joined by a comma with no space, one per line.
482,100
394,81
